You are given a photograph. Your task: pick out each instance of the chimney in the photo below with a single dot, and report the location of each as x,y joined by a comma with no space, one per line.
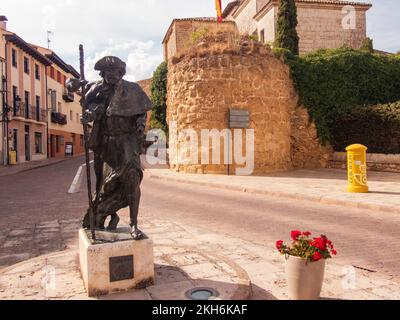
3,22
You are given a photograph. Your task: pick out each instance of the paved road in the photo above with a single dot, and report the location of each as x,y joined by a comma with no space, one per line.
363,238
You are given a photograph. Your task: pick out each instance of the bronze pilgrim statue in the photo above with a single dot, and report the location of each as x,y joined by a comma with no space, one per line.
118,110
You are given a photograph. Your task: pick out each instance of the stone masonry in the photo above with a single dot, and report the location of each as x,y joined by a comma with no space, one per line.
321,23
224,71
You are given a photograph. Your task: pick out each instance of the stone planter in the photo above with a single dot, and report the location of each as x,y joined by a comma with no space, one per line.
304,278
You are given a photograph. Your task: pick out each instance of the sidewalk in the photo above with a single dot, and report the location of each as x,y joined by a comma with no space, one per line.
185,257
26,166
319,185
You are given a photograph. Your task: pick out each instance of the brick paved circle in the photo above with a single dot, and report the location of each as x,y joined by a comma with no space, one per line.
177,270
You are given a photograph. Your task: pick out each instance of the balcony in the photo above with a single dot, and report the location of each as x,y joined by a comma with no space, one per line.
59,118
31,113
68,96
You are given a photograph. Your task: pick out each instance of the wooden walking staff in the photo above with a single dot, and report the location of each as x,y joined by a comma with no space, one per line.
86,138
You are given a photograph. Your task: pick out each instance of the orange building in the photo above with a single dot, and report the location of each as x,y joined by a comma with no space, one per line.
65,132
40,118
24,78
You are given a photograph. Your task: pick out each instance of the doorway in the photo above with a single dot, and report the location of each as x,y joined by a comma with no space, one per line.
52,146
15,142
27,144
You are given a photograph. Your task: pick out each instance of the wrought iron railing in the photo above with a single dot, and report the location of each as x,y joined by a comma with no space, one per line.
68,96
31,112
57,117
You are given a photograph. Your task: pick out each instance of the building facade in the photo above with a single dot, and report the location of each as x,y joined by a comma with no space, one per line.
24,109
322,24
40,119
64,128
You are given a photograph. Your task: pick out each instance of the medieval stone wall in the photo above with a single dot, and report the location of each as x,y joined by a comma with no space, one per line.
214,76
179,34
321,28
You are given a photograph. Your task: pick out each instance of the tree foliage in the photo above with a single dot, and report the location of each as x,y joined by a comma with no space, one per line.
286,34
159,98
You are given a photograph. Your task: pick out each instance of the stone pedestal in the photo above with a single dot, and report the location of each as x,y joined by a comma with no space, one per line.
116,265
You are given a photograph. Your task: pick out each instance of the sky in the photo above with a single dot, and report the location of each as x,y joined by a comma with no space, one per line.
133,29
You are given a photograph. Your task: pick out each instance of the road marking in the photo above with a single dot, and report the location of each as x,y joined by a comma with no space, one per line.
77,182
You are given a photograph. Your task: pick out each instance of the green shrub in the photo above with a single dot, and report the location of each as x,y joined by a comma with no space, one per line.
377,127
158,89
196,36
253,37
367,45
329,82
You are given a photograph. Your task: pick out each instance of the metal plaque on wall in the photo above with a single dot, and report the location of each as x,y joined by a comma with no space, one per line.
121,268
239,119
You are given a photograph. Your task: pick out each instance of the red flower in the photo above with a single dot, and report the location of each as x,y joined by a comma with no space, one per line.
279,244
319,243
334,252
295,234
317,256
307,233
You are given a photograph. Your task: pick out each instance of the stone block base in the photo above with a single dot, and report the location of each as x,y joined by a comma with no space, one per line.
119,265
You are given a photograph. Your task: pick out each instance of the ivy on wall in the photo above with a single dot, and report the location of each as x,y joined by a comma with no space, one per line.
341,86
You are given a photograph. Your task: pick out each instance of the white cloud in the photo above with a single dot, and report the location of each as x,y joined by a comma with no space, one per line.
101,26
141,57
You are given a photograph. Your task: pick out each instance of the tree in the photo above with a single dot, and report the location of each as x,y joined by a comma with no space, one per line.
286,35
158,89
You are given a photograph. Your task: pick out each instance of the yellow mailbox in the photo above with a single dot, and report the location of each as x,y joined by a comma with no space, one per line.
13,157
357,168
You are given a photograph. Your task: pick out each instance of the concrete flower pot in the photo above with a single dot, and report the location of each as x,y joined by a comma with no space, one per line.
304,278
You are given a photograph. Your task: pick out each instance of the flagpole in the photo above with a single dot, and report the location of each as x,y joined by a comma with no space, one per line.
218,7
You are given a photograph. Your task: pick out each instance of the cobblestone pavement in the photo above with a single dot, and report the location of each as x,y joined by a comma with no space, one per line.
179,268
326,186
366,239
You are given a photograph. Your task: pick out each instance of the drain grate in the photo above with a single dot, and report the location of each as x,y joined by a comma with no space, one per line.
202,294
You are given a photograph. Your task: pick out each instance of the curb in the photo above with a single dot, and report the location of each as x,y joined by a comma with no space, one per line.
279,194
5,174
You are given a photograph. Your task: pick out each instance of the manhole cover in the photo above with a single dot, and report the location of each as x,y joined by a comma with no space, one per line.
202,294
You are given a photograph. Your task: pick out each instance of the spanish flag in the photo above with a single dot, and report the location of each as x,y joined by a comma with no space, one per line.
218,6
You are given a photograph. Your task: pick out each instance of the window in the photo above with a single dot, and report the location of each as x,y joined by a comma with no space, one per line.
65,80
14,57
38,142
15,95
52,73
37,108
26,65
59,77
71,116
37,72
53,98
26,104
59,107
262,36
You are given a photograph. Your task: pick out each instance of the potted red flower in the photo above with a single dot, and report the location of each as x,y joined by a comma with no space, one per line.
305,264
